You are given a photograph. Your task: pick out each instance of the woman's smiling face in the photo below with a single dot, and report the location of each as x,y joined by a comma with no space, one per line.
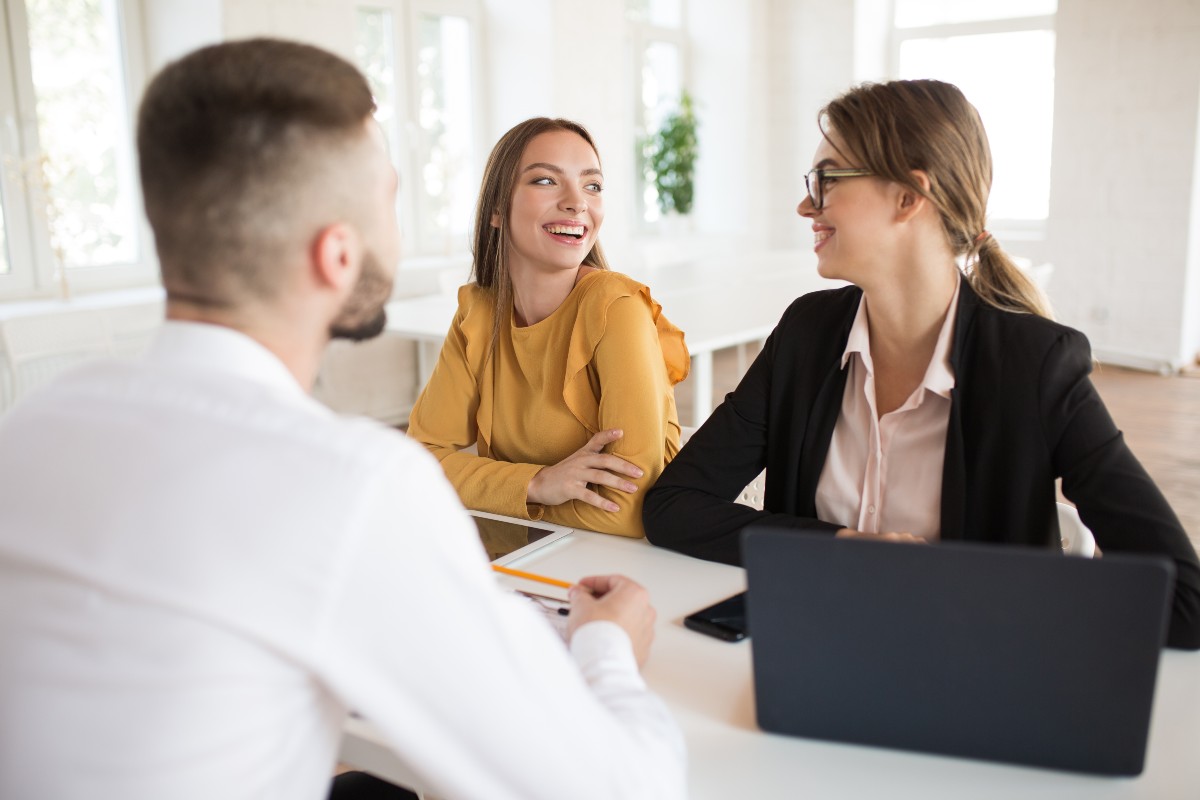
850,229
557,206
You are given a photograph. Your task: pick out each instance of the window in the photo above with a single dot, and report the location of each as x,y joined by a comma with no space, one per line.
656,31
429,107
70,205
375,53
1001,54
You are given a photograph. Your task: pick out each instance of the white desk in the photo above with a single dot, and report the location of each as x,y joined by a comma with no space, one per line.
718,304
708,686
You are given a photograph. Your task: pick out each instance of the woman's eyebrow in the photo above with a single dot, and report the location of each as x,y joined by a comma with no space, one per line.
559,170
543,165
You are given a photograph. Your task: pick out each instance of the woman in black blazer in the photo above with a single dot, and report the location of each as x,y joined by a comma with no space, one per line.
950,387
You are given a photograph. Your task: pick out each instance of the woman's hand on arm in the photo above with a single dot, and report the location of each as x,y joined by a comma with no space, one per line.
569,479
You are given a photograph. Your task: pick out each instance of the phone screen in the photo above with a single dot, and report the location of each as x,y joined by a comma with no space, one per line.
501,538
725,620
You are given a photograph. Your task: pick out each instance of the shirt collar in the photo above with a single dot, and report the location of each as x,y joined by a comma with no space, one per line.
939,376
216,348
859,340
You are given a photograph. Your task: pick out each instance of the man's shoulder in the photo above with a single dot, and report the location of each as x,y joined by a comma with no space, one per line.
187,404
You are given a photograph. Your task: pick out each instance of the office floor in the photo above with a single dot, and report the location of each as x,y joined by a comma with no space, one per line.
1160,416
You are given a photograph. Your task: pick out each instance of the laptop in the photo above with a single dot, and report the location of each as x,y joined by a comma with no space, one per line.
982,651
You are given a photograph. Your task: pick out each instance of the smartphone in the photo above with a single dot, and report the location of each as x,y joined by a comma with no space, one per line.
725,620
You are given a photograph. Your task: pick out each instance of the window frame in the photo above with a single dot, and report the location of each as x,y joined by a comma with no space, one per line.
406,16
641,34
32,271
1012,227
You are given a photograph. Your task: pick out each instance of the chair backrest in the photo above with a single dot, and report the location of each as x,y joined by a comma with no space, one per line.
41,346
1077,540
752,495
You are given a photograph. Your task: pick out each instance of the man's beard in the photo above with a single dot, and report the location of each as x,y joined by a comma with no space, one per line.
364,315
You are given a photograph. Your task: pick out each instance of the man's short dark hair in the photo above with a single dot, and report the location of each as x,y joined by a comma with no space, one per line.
232,140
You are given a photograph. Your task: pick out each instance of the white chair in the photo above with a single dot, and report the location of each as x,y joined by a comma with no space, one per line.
752,495
39,347
1077,540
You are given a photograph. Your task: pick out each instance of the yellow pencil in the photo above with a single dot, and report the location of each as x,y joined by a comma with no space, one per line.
530,576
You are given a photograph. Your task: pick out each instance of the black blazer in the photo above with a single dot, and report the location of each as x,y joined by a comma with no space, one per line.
1023,413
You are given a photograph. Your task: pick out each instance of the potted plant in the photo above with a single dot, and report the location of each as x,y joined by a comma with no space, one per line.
669,158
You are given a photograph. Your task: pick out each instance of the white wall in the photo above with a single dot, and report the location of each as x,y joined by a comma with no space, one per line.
590,79
727,75
520,58
176,27
1190,337
810,48
1122,217
326,23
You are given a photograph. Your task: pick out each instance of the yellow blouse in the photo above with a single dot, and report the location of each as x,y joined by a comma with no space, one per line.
606,358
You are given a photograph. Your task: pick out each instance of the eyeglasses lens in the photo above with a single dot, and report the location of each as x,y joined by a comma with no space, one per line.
812,182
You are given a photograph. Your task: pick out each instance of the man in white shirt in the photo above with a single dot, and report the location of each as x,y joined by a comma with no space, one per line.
202,569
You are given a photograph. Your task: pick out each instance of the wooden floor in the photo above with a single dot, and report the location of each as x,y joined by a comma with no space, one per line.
1160,416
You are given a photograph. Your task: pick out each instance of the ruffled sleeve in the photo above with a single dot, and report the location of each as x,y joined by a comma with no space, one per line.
592,325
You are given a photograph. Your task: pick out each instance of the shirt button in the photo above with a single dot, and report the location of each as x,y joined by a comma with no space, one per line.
870,509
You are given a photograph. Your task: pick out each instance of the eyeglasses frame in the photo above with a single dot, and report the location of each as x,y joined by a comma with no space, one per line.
818,200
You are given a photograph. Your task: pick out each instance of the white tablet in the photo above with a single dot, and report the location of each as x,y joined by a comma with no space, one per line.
506,539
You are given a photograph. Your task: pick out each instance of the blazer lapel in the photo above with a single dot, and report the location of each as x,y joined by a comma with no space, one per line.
818,434
826,406
954,476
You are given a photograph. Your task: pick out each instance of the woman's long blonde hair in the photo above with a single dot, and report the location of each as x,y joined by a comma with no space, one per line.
490,244
896,127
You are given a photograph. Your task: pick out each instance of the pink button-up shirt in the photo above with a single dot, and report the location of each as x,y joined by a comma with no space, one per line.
885,473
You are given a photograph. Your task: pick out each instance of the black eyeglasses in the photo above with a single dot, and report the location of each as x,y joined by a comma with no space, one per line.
815,182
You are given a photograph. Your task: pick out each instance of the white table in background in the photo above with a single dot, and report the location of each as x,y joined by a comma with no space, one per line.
709,687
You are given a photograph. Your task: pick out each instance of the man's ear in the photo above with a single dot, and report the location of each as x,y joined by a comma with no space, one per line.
911,201
337,256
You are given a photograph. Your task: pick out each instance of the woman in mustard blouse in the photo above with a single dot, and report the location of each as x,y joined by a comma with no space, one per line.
559,370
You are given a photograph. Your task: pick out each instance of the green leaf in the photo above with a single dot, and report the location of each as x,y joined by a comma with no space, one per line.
669,158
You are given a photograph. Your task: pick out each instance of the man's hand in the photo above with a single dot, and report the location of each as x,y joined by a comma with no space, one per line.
617,599
569,478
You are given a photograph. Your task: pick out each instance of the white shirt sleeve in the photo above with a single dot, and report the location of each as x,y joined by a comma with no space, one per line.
473,689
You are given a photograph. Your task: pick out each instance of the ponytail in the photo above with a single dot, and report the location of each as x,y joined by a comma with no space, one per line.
1001,283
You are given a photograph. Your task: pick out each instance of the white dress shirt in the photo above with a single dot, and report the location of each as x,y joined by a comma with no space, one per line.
202,569
884,473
